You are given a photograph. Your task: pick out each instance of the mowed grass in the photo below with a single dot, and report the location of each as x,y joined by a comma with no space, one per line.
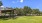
24,19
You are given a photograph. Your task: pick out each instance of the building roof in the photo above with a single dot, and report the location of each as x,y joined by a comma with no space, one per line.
5,8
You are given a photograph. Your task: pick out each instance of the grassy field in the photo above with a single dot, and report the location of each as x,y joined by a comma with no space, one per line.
24,19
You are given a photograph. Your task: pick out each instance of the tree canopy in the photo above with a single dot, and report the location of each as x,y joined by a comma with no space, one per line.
1,3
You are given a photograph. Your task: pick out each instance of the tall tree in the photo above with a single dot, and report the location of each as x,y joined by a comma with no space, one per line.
1,3
27,10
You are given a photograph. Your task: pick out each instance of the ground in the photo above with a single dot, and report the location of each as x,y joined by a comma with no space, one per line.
24,19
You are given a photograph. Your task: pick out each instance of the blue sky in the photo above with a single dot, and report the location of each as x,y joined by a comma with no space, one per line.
20,3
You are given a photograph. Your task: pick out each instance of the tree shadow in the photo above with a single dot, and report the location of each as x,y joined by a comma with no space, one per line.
5,19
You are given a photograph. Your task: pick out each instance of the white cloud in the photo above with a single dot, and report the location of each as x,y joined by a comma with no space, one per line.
18,1
21,1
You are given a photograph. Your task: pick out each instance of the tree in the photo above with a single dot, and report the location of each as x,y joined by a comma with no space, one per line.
35,11
19,11
27,10
1,3
16,11
40,13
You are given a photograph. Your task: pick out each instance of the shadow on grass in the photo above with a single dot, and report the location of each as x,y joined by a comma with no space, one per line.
4,18
8,18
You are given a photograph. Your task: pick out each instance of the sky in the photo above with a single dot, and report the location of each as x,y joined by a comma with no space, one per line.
34,4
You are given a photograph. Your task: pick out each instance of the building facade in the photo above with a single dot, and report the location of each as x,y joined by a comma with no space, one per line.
4,10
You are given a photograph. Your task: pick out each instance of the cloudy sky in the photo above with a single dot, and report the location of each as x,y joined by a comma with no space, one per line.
20,3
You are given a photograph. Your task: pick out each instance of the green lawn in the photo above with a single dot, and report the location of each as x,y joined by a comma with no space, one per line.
24,19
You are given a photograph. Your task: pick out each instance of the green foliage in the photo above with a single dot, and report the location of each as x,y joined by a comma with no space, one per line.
35,11
19,11
27,10
1,3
